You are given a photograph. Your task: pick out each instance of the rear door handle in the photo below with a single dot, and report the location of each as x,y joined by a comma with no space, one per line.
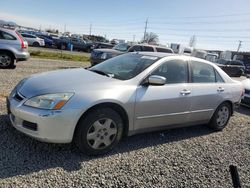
185,92
220,89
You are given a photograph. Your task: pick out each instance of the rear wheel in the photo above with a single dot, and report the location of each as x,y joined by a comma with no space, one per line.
99,132
6,60
221,117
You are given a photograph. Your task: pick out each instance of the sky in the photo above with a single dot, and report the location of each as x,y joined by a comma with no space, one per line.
217,24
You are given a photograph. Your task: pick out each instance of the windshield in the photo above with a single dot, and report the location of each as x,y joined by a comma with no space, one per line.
121,47
125,66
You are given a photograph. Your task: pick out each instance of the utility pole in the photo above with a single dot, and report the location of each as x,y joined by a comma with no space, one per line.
64,28
145,30
90,28
239,46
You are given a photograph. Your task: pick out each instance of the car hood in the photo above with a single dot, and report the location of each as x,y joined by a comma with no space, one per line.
246,83
70,80
111,51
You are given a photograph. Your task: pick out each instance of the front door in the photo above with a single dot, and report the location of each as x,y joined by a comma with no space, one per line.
167,104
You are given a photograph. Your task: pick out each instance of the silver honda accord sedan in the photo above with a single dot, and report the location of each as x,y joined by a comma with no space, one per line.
123,96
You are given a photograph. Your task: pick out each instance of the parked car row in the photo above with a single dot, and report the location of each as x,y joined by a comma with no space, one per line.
99,55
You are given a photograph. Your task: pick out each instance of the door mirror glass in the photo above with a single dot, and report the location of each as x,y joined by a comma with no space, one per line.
156,80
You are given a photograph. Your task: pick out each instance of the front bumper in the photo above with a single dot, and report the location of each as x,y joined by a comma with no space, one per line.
50,125
246,99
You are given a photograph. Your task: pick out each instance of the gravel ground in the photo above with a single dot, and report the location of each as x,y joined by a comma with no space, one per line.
186,157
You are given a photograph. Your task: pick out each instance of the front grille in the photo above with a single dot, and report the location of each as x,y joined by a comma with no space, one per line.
247,91
30,125
19,97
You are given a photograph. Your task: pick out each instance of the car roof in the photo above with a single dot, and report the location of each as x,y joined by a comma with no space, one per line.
28,34
157,54
145,44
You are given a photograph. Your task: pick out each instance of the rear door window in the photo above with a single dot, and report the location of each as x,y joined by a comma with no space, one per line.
202,73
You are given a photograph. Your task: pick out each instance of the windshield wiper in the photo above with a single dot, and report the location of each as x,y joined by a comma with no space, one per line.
101,72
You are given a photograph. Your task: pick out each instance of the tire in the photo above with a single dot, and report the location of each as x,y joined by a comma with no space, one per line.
63,47
6,60
88,50
99,131
36,44
239,73
221,117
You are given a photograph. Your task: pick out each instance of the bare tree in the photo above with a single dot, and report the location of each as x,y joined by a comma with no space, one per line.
151,38
192,41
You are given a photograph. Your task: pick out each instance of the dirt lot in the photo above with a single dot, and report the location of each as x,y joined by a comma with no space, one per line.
186,157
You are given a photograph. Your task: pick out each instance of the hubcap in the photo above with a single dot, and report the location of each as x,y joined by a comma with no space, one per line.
102,133
5,60
222,117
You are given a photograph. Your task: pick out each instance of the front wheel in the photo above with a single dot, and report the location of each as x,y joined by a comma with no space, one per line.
221,117
99,132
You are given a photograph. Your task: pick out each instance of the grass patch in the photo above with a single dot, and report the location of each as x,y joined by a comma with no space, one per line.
58,56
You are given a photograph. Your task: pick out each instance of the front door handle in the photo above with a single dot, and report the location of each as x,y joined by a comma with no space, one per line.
185,92
220,89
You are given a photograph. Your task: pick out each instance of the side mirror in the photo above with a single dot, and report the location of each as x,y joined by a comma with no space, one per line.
156,80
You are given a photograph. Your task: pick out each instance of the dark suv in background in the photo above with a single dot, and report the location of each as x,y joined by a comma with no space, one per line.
99,55
233,68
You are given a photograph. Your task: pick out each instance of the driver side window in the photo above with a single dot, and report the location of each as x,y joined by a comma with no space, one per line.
175,71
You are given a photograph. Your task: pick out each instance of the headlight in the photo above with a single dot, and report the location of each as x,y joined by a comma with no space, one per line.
104,56
49,101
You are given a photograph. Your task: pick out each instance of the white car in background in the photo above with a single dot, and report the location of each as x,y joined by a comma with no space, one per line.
246,98
33,40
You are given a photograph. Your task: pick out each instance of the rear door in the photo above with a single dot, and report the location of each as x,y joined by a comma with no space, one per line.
167,104
208,91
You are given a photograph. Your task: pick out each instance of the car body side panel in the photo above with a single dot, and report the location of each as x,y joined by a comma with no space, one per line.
161,105
205,99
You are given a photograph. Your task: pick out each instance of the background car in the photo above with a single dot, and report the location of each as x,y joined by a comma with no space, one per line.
99,55
48,42
12,47
125,95
246,97
232,68
78,44
33,40
100,45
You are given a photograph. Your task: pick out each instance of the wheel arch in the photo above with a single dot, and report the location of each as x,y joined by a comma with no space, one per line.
9,52
114,106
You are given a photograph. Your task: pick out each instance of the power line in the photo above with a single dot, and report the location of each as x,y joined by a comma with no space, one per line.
202,17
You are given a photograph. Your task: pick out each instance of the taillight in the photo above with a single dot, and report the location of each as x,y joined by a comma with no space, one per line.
21,40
